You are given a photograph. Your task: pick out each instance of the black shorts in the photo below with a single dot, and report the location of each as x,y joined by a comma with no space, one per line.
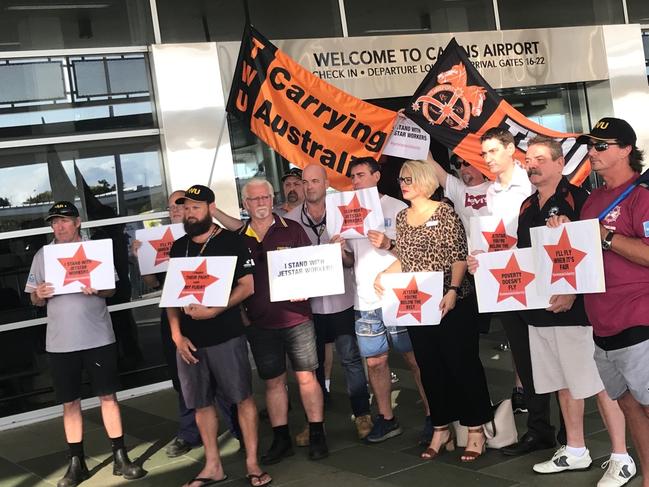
99,363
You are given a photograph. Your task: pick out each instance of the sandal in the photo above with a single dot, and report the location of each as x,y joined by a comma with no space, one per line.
449,445
258,477
471,455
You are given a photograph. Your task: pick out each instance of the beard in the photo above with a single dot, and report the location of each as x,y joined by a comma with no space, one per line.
198,227
292,197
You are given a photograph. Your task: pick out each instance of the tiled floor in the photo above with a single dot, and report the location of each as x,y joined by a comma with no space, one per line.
35,455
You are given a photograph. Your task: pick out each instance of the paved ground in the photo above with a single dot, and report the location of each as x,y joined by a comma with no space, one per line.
35,455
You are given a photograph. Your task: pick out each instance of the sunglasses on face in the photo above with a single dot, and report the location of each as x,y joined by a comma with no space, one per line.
405,180
600,146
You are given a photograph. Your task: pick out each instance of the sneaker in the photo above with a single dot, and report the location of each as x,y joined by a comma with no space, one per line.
302,438
384,429
518,401
363,426
618,473
562,460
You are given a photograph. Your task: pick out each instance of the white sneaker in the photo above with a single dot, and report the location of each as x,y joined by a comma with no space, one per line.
618,473
562,460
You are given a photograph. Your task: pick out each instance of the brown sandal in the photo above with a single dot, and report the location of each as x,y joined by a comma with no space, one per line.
448,445
471,455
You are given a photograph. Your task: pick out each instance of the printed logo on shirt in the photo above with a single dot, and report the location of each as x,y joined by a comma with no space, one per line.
249,263
612,217
387,222
554,211
31,280
646,228
476,201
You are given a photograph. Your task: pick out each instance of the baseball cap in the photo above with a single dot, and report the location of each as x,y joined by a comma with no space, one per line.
610,128
197,192
294,171
62,208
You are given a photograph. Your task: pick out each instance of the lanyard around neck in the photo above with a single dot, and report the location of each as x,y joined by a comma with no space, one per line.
200,252
317,228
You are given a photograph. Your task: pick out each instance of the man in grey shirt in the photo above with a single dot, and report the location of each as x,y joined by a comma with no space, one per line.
80,336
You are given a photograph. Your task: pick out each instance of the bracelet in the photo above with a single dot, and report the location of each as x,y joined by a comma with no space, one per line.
457,290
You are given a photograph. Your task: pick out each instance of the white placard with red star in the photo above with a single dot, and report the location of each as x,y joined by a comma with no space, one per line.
492,233
198,280
71,266
153,254
305,272
351,214
505,281
412,298
568,258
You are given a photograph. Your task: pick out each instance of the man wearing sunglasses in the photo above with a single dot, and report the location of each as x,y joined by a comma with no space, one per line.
619,315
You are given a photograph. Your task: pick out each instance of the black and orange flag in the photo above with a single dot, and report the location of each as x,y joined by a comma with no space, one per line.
302,117
455,105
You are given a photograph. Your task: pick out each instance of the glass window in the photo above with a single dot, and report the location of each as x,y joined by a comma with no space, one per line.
638,11
386,17
73,94
30,25
515,14
221,20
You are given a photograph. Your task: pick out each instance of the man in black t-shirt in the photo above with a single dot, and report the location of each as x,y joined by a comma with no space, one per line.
560,337
212,353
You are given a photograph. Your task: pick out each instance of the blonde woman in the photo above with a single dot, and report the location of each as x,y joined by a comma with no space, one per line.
430,237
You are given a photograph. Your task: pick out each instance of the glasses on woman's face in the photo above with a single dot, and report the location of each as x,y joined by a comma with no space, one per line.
600,146
259,199
407,180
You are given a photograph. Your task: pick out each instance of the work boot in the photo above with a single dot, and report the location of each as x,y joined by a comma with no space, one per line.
302,438
280,448
123,466
77,472
363,426
317,445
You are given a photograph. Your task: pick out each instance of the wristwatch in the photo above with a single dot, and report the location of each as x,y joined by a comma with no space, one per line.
608,240
393,244
457,290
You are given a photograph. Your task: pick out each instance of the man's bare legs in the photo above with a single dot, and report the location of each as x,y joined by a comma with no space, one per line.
637,418
208,426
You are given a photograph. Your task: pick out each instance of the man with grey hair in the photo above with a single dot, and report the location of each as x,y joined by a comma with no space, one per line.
281,328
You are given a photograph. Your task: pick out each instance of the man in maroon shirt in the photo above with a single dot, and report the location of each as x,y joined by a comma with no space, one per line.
620,316
282,328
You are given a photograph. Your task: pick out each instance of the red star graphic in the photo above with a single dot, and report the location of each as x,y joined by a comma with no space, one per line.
411,299
353,216
78,267
196,282
512,281
565,258
498,239
163,246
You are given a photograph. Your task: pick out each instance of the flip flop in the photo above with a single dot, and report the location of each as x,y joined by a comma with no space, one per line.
205,481
252,476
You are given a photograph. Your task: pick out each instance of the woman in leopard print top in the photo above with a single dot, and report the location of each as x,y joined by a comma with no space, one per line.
430,237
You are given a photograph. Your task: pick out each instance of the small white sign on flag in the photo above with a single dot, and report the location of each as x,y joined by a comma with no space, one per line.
492,233
198,280
305,272
153,254
351,214
408,141
505,281
71,266
568,259
412,298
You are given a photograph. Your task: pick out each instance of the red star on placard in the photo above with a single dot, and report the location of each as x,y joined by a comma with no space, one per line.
353,216
498,239
78,267
512,281
196,281
163,246
565,258
411,299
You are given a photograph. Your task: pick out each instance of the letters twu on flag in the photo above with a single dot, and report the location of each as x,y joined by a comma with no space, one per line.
302,117
455,105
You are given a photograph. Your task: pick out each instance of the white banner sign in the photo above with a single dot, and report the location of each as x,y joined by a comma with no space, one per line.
153,254
351,214
408,141
568,259
305,272
505,281
492,233
412,298
71,266
202,280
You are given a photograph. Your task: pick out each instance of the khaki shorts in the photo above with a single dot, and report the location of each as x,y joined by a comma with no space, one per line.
562,358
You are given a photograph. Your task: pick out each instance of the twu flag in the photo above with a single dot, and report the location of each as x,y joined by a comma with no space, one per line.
455,105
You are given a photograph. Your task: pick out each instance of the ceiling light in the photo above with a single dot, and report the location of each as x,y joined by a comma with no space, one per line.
61,6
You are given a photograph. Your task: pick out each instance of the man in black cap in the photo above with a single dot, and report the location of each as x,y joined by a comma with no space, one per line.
80,336
620,315
212,354
293,192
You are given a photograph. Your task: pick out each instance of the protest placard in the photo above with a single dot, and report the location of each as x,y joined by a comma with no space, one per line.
351,214
492,233
407,141
153,254
412,298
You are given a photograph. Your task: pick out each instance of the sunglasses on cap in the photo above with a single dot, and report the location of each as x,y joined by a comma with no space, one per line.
600,146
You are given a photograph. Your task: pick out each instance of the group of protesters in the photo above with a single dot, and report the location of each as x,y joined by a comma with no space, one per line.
580,346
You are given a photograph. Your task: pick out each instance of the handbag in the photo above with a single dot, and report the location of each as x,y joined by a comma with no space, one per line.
500,431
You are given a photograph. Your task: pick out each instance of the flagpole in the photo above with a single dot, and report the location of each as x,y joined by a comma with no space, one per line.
246,11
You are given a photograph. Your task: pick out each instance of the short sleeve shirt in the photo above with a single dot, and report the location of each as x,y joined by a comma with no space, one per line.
468,201
282,234
74,321
505,202
227,325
